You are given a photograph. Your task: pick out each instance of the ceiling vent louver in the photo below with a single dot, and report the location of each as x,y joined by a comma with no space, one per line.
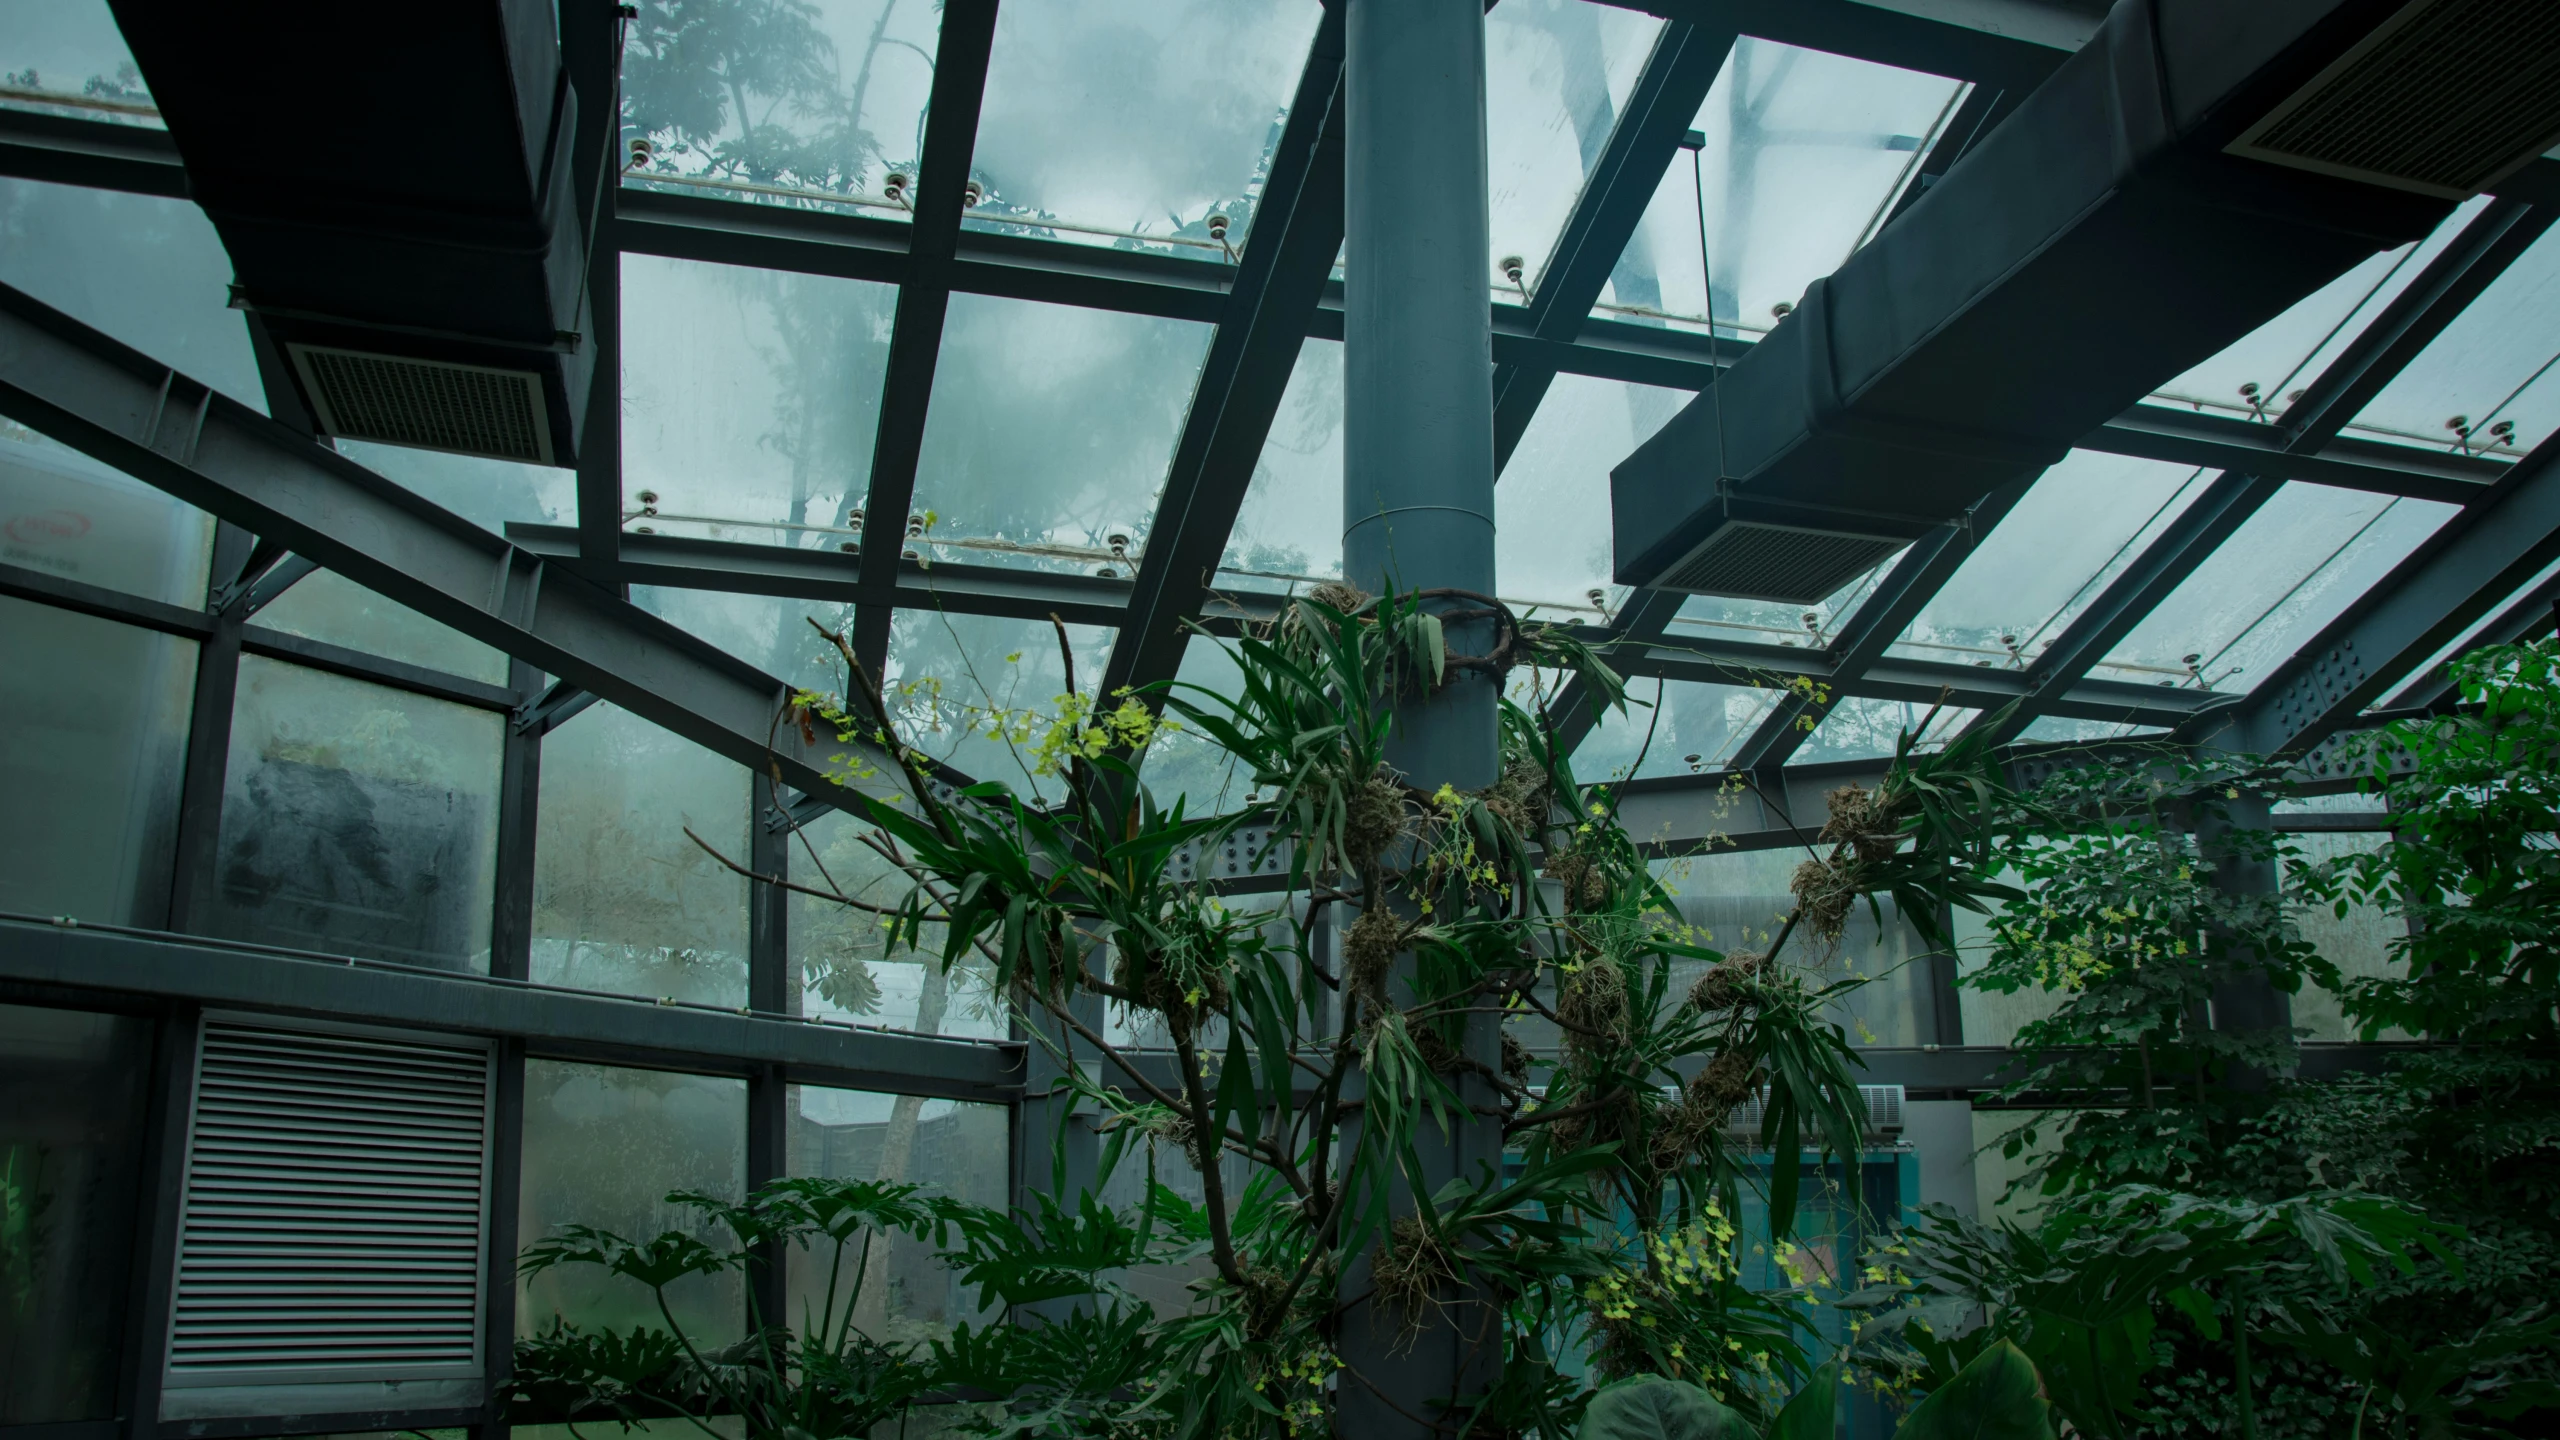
2444,99
426,404
1754,561
334,1215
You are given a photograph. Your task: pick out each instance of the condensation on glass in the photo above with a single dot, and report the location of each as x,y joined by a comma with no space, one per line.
66,515
71,1117
2360,943
357,820
902,1292
623,901
1289,530
96,713
329,607
810,105
1136,125
750,400
840,958
148,271
604,1146
1049,435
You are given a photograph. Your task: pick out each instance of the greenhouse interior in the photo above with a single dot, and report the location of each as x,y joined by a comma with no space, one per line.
1150,719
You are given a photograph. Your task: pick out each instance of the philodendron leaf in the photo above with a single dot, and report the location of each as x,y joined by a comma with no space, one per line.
1649,1407
1810,1416
1996,1397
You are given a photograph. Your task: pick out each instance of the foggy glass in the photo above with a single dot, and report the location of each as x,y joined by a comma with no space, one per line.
1665,723
148,271
71,1115
903,1293
839,953
622,901
62,513
489,493
603,1146
71,49
327,606
96,714
357,820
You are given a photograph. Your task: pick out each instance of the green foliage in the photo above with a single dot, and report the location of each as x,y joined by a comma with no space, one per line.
1649,1407
1995,1397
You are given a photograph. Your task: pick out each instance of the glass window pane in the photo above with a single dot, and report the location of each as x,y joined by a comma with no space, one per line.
1050,431
71,1116
67,56
770,632
1556,74
603,1146
1290,528
2282,357
1551,509
329,607
622,900
65,514
1136,121
750,395
2493,366
1768,622
840,955
2077,528
2302,559
2359,944
1685,728
148,271
96,714
489,493
946,674
1860,727
358,820
1186,765
791,104
904,1294
1739,899
1806,153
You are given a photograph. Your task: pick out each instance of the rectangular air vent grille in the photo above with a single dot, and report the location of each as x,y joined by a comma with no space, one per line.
1882,1103
430,404
1752,561
333,1211
2443,99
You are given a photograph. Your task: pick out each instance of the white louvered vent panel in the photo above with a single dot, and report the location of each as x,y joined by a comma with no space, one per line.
333,1208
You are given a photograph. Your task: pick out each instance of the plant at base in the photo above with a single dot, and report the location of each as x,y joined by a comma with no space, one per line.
821,1378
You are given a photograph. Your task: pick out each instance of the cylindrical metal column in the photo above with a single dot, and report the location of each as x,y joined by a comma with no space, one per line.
1417,330
1417,509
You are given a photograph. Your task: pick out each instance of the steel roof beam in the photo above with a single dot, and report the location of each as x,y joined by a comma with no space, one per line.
915,337
113,403
1262,326
2428,600
1630,167
2009,44
2416,316
2530,614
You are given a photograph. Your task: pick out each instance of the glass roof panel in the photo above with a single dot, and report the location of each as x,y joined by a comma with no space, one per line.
68,57
2051,557
1768,622
489,493
1805,154
816,102
1557,72
1683,727
1186,765
946,674
770,632
148,271
1290,526
749,395
1551,511
65,514
335,610
2302,559
2497,365
1859,727
2065,728
1050,431
1122,125
2283,356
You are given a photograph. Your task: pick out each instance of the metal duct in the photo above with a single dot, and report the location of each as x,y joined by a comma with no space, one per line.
396,190
2097,242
